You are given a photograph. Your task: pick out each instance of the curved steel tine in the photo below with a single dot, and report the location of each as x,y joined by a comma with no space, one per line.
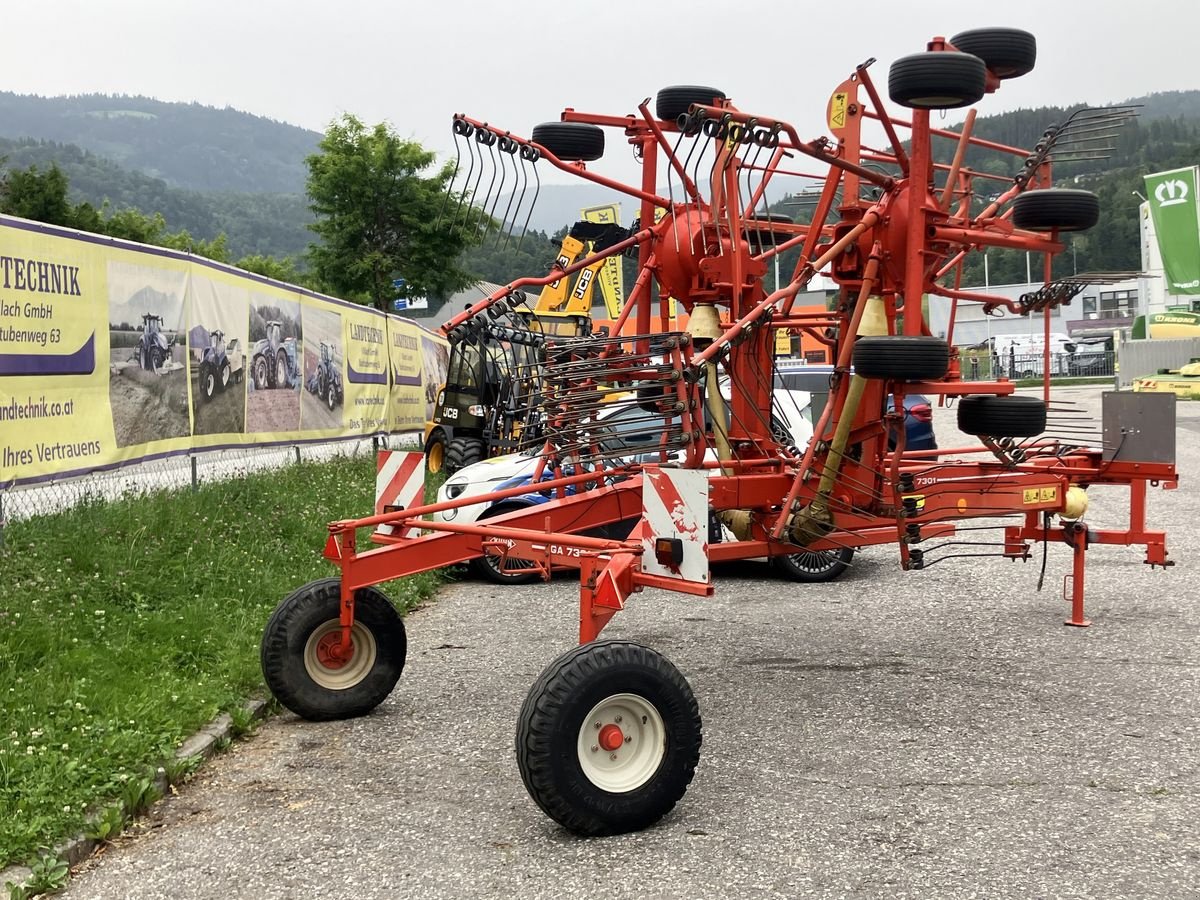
537,190
450,183
478,177
462,197
518,159
500,193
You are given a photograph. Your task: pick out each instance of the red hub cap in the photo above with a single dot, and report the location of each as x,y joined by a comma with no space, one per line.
329,651
611,737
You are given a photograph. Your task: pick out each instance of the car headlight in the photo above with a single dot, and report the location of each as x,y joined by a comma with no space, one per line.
454,489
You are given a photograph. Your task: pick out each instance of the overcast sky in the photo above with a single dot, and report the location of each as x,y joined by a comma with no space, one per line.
517,64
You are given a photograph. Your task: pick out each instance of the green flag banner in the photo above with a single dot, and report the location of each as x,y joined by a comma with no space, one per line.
1176,215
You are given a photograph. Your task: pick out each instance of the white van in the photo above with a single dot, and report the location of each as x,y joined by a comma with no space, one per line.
1022,355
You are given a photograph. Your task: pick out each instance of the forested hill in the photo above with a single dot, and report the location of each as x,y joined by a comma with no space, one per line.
185,144
254,223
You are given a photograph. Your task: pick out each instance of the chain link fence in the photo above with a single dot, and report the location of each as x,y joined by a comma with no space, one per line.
180,472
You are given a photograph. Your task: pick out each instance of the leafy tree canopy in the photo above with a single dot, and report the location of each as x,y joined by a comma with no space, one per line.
379,218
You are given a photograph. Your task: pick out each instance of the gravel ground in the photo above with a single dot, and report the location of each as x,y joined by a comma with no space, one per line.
922,734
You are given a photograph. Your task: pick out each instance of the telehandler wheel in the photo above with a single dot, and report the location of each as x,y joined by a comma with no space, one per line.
208,382
435,452
490,568
672,102
814,566
941,80
571,141
608,738
901,357
1051,208
1007,52
1009,416
463,452
300,660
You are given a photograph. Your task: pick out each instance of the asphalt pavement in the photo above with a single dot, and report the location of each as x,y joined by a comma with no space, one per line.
921,734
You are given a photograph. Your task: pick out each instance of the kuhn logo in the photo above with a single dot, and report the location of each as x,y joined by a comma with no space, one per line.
1171,192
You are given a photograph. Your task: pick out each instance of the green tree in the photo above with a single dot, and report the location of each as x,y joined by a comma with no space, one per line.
280,269
377,216
40,196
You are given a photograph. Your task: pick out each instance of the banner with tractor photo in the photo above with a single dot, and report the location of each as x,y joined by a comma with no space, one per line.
112,352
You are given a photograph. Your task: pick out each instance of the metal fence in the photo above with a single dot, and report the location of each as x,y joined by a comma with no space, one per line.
1147,357
983,367
179,473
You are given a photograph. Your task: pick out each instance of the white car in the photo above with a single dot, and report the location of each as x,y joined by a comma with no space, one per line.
633,434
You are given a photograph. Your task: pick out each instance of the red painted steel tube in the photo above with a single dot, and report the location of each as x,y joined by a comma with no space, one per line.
888,126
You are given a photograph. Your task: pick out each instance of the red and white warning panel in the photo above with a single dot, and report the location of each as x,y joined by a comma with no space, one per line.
399,484
675,507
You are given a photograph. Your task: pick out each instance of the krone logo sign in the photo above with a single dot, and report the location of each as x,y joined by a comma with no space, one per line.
1171,192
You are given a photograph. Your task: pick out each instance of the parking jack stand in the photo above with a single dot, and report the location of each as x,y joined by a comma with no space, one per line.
1077,537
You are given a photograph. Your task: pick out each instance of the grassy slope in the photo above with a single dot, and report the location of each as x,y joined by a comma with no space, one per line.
126,626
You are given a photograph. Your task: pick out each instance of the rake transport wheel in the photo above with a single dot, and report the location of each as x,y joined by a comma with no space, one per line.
1007,52
463,452
435,452
571,141
814,566
672,102
901,357
492,568
608,738
300,659
941,80
1051,208
1009,416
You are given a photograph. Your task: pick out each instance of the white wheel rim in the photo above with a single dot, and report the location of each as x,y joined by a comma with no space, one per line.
622,743
350,673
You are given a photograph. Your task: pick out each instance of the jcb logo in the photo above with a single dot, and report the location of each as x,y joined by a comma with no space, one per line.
585,279
562,262
1171,192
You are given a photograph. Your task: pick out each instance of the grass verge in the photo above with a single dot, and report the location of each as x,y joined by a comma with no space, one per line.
126,626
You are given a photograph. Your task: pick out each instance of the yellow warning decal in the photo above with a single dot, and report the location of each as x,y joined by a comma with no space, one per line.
1040,495
920,498
837,110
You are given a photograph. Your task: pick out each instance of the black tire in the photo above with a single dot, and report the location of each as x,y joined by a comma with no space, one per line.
331,396
1056,208
814,566
552,743
571,141
208,382
1007,52
226,375
435,452
157,358
281,369
321,385
463,452
1008,416
488,567
672,102
143,358
901,357
291,647
261,374
941,80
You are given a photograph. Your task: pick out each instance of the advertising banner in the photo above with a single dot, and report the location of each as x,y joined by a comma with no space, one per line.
1176,213
111,352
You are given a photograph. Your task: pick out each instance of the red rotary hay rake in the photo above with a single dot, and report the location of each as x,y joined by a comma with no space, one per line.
609,736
